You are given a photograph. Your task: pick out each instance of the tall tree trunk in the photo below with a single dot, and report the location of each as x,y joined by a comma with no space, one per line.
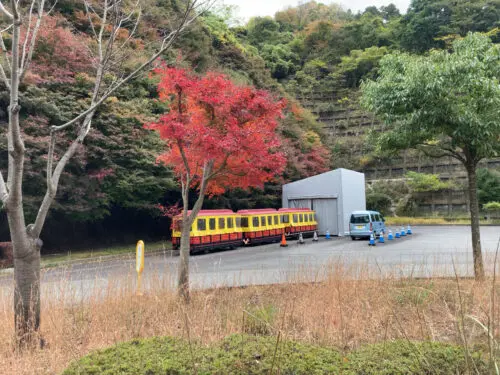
183,278
187,221
26,278
27,296
474,216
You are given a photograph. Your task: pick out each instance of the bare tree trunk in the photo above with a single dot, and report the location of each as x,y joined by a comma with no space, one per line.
183,277
187,221
27,294
474,216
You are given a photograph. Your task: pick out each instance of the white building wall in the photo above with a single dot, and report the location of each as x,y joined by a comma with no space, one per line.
346,186
353,195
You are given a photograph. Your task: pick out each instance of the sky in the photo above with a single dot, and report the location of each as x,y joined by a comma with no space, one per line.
251,8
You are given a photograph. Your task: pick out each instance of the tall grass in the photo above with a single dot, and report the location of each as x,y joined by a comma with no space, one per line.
345,305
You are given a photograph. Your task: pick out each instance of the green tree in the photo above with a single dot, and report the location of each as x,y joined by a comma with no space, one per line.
389,12
360,64
446,104
422,24
427,21
423,182
488,185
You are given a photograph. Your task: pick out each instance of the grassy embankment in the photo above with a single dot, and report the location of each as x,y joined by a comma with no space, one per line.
351,307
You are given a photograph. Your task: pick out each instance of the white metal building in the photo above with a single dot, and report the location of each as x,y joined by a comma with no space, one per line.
333,195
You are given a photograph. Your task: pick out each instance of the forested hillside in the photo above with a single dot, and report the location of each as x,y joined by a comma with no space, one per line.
313,55
321,53
111,189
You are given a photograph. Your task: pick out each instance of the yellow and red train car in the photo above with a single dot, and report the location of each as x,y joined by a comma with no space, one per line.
260,225
298,220
224,228
211,229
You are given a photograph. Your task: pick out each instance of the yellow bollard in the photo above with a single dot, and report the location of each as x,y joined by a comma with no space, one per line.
139,264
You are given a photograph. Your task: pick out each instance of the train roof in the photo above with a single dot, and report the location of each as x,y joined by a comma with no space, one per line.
258,211
295,210
211,213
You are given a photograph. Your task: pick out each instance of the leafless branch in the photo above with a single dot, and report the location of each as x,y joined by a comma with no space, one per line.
14,5
53,175
28,30
167,43
7,28
51,8
28,54
5,11
4,77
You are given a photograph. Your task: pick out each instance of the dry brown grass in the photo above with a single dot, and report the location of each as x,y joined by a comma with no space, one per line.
342,311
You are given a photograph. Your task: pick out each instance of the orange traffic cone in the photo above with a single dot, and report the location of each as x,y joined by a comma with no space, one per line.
283,241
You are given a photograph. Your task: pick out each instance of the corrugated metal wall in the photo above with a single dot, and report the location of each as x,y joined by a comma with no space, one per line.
326,212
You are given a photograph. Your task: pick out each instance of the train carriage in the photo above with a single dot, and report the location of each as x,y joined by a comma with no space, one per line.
261,225
211,229
298,220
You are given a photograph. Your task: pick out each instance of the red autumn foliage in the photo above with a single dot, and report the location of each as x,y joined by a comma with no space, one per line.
212,119
169,211
59,53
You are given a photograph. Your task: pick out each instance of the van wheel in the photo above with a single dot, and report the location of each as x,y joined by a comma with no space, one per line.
353,238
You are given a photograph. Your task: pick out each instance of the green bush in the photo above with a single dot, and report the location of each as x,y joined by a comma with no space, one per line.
236,355
165,355
379,202
492,206
412,358
255,355
259,355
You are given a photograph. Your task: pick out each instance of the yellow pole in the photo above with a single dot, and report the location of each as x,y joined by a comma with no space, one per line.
139,264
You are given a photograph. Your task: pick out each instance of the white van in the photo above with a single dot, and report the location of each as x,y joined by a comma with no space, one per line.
363,223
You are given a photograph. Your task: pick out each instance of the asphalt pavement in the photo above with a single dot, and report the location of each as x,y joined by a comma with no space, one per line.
431,251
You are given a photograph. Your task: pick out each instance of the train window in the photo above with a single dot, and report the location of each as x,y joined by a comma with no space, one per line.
301,218
230,222
285,219
222,223
276,220
202,224
255,222
243,222
263,221
211,224
311,217
269,220
295,218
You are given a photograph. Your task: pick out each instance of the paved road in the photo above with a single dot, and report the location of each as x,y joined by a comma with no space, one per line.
430,251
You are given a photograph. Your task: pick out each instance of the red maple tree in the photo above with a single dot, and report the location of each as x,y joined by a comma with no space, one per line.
220,136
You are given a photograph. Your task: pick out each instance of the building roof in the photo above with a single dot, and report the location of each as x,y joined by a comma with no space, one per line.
211,213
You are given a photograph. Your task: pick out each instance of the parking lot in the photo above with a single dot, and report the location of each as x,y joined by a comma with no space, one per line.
432,251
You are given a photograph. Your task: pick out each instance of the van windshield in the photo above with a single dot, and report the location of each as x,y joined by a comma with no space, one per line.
360,219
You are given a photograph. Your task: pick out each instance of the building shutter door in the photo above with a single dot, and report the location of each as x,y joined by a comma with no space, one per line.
326,215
